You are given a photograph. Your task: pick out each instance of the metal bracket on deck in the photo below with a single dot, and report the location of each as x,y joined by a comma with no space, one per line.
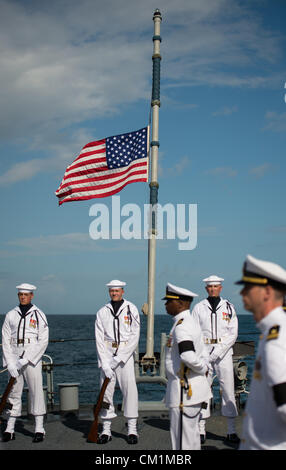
149,363
151,369
48,368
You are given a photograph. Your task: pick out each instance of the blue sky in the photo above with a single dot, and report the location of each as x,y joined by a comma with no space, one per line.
73,72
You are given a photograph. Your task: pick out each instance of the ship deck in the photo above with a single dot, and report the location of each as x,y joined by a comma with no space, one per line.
68,431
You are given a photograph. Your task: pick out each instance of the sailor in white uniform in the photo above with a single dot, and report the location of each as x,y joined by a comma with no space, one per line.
117,331
25,336
264,424
186,361
218,321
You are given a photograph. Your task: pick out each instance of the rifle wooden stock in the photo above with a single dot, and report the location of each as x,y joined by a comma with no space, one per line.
93,433
6,394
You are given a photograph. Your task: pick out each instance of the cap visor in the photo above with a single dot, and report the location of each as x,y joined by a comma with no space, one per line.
171,297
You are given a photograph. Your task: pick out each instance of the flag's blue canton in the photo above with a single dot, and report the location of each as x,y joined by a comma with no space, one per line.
122,149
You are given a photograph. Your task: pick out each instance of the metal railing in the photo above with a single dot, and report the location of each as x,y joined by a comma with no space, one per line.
156,373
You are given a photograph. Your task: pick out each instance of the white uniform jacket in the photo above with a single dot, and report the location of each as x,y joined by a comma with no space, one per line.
185,345
123,329
264,424
32,331
220,328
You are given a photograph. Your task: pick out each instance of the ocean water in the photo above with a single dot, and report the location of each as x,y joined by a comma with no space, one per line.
73,353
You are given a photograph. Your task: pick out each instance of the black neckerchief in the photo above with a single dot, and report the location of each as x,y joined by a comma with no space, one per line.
116,304
24,309
214,301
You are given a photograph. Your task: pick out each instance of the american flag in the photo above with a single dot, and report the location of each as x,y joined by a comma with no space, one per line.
105,166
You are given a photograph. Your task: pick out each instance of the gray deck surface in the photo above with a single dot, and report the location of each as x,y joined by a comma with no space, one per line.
69,432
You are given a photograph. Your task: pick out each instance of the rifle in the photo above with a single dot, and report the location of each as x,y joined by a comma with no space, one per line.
93,433
6,394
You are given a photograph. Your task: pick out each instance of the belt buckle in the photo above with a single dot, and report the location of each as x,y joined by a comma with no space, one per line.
213,341
23,341
114,344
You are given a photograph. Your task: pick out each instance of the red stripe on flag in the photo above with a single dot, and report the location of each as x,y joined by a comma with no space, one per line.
89,172
88,162
110,193
97,178
98,186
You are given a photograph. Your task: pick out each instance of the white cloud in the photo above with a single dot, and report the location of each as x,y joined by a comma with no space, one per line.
64,63
63,148
77,242
175,170
275,122
260,170
224,171
225,111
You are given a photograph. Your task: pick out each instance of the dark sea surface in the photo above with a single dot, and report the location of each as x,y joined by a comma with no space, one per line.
73,353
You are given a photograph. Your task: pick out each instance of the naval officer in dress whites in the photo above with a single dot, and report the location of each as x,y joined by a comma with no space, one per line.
25,336
264,424
186,368
218,321
117,331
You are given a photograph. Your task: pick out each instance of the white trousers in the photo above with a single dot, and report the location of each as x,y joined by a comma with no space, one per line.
125,376
184,431
33,377
224,372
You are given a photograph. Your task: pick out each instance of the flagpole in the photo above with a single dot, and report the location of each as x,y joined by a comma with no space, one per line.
149,358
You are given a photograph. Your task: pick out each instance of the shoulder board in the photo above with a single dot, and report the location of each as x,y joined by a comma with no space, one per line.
273,332
180,321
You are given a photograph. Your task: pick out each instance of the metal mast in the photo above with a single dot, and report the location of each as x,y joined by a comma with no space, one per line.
149,358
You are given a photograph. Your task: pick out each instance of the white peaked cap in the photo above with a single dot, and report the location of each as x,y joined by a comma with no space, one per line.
175,292
26,287
116,284
213,280
257,271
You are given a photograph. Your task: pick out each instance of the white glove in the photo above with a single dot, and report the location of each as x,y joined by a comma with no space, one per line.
114,363
13,371
21,363
108,372
213,358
